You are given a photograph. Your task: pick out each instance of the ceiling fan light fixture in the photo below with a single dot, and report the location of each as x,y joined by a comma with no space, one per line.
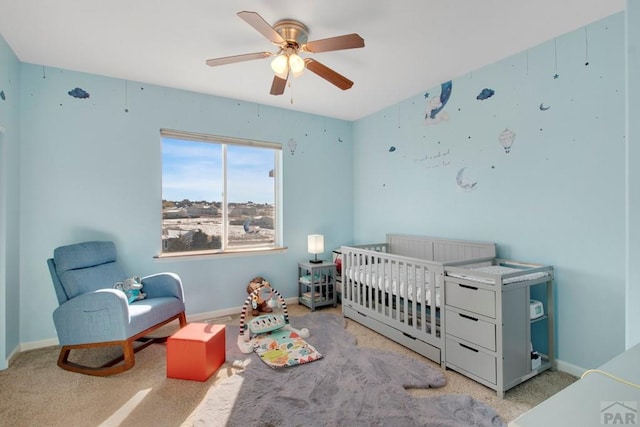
279,64
291,38
296,63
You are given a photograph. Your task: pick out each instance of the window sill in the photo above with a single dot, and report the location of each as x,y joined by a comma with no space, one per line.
193,255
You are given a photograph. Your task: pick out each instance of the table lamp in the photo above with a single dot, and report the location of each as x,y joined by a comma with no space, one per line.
315,245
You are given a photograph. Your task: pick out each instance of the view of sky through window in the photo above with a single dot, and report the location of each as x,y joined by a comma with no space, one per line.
193,170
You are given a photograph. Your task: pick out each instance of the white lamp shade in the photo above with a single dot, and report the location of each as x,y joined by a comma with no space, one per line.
296,63
279,64
315,243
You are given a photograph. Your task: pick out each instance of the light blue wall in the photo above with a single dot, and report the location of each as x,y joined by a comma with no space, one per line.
557,198
87,169
91,170
9,262
633,172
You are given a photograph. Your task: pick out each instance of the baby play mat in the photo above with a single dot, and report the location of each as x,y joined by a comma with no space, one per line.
283,348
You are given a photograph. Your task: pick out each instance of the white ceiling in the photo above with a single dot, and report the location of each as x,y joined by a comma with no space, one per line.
410,45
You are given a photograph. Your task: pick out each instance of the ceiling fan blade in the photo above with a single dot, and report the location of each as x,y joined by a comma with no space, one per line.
237,58
348,41
263,27
328,74
278,85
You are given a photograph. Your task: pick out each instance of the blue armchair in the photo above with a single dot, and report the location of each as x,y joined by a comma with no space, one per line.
91,313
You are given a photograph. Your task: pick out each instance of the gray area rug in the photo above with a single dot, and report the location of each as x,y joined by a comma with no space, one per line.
349,386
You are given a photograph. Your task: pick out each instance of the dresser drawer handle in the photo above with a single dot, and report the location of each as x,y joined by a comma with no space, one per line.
409,336
467,287
468,348
468,317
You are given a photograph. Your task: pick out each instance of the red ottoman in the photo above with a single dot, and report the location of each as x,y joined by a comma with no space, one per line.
196,351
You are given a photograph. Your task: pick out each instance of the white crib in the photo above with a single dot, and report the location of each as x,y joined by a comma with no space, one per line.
395,288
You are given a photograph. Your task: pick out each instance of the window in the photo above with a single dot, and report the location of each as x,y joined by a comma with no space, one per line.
219,194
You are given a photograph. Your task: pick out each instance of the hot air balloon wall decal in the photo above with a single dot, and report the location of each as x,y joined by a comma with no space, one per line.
506,139
292,144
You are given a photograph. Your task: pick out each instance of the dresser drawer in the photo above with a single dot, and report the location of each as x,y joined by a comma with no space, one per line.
471,329
481,301
471,360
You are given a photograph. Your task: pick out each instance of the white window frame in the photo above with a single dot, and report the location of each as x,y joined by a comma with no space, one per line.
224,141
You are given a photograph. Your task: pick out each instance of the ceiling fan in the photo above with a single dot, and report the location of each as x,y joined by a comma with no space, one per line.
291,38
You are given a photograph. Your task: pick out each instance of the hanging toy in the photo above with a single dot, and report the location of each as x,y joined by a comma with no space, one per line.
264,323
258,303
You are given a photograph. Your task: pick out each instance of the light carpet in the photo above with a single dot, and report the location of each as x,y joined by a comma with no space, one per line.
350,386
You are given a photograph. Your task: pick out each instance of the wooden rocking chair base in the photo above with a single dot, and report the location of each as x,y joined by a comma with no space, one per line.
115,366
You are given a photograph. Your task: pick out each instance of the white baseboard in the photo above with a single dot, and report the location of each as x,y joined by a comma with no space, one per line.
211,315
38,344
11,358
569,368
562,366
198,317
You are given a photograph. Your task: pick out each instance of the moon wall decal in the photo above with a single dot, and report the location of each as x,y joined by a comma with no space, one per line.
464,183
543,108
436,105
